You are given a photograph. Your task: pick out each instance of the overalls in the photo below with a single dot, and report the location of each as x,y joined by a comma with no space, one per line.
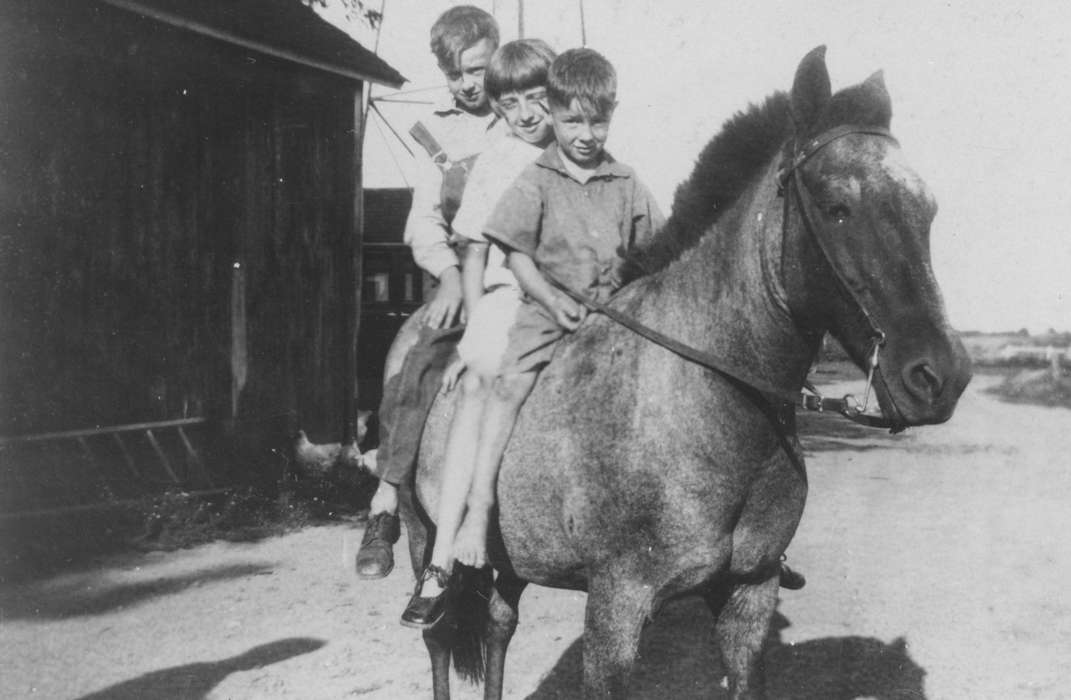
408,397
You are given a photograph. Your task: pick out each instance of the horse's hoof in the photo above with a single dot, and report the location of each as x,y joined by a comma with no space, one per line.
425,612
375,558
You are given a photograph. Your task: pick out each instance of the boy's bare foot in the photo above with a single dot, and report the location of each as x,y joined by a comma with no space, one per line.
470,545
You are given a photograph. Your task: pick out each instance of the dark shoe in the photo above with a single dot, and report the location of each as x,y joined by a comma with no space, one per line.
423,613
792,580
375,558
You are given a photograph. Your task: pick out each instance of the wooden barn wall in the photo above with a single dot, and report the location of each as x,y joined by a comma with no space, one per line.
173,215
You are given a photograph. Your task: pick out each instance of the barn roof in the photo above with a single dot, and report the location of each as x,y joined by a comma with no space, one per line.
285,29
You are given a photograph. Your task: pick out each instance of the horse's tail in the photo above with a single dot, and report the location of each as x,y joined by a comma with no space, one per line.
471,613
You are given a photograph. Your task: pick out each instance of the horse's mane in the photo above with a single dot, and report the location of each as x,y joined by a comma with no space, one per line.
723,170
729,164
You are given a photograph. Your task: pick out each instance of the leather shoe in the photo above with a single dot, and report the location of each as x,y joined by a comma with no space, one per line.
424,613
375,558
792,580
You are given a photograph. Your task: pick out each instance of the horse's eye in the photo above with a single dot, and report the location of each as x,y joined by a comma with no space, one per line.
839,213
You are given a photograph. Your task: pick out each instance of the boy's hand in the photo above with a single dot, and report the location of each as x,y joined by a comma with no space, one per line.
444,309
452,374
567,312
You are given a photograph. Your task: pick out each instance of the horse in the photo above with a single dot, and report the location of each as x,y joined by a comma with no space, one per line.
637,473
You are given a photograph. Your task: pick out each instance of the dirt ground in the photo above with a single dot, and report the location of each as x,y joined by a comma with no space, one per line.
934,562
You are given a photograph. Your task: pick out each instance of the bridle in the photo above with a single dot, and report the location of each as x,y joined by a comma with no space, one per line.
787,173
775,396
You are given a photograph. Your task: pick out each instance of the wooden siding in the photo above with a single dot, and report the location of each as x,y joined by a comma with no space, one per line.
132,183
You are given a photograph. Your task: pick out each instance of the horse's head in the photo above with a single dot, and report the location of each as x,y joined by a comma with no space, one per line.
858,244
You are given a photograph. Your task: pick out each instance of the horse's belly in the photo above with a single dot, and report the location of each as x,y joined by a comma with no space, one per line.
531,518
540,549
537,527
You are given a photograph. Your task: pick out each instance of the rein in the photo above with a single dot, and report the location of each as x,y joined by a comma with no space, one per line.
847,406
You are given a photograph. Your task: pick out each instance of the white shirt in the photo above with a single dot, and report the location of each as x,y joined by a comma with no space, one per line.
460,134
495,170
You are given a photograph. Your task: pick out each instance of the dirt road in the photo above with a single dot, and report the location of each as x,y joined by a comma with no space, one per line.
936,562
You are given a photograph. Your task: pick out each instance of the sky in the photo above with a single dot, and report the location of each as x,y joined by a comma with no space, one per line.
981,103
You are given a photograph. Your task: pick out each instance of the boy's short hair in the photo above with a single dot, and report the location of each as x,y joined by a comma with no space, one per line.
518,65
583,75
460,28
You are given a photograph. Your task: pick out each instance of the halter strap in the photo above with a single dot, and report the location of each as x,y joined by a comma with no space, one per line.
801,155
789,170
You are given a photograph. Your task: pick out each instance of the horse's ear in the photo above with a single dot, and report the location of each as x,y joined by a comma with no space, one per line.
810,90
875,85
876,81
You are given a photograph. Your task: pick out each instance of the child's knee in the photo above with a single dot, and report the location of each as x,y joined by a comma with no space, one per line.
512,388
474,383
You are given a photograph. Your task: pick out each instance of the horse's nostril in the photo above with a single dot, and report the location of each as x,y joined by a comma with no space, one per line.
923,381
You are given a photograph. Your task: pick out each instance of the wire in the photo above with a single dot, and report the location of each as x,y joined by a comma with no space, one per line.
367,96
583,28
403,102
396,134
411,91
401,171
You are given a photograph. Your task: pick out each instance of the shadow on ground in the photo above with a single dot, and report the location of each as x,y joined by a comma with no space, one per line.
679,659
95,594
196,680
832,432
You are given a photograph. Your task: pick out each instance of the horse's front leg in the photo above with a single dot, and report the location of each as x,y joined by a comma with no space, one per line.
500,628
616,610
742,621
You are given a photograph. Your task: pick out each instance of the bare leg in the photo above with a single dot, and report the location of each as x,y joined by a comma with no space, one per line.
456,475
385,500
500,413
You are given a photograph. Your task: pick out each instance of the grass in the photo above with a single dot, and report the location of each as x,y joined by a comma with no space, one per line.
1038,387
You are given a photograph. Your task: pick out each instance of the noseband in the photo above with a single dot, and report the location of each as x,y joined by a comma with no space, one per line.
794,159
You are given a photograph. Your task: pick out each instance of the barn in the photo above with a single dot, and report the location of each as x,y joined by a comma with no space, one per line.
180,222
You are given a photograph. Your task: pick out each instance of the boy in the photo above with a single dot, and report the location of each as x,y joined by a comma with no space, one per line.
462,40
573,213
516,85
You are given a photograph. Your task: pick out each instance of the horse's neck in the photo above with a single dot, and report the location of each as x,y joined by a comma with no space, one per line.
725,296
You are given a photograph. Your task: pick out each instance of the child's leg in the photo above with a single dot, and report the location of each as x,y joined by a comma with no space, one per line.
421,354
506,397
459,459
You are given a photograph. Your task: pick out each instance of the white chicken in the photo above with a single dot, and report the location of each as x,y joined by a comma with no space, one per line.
319,460
315,460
